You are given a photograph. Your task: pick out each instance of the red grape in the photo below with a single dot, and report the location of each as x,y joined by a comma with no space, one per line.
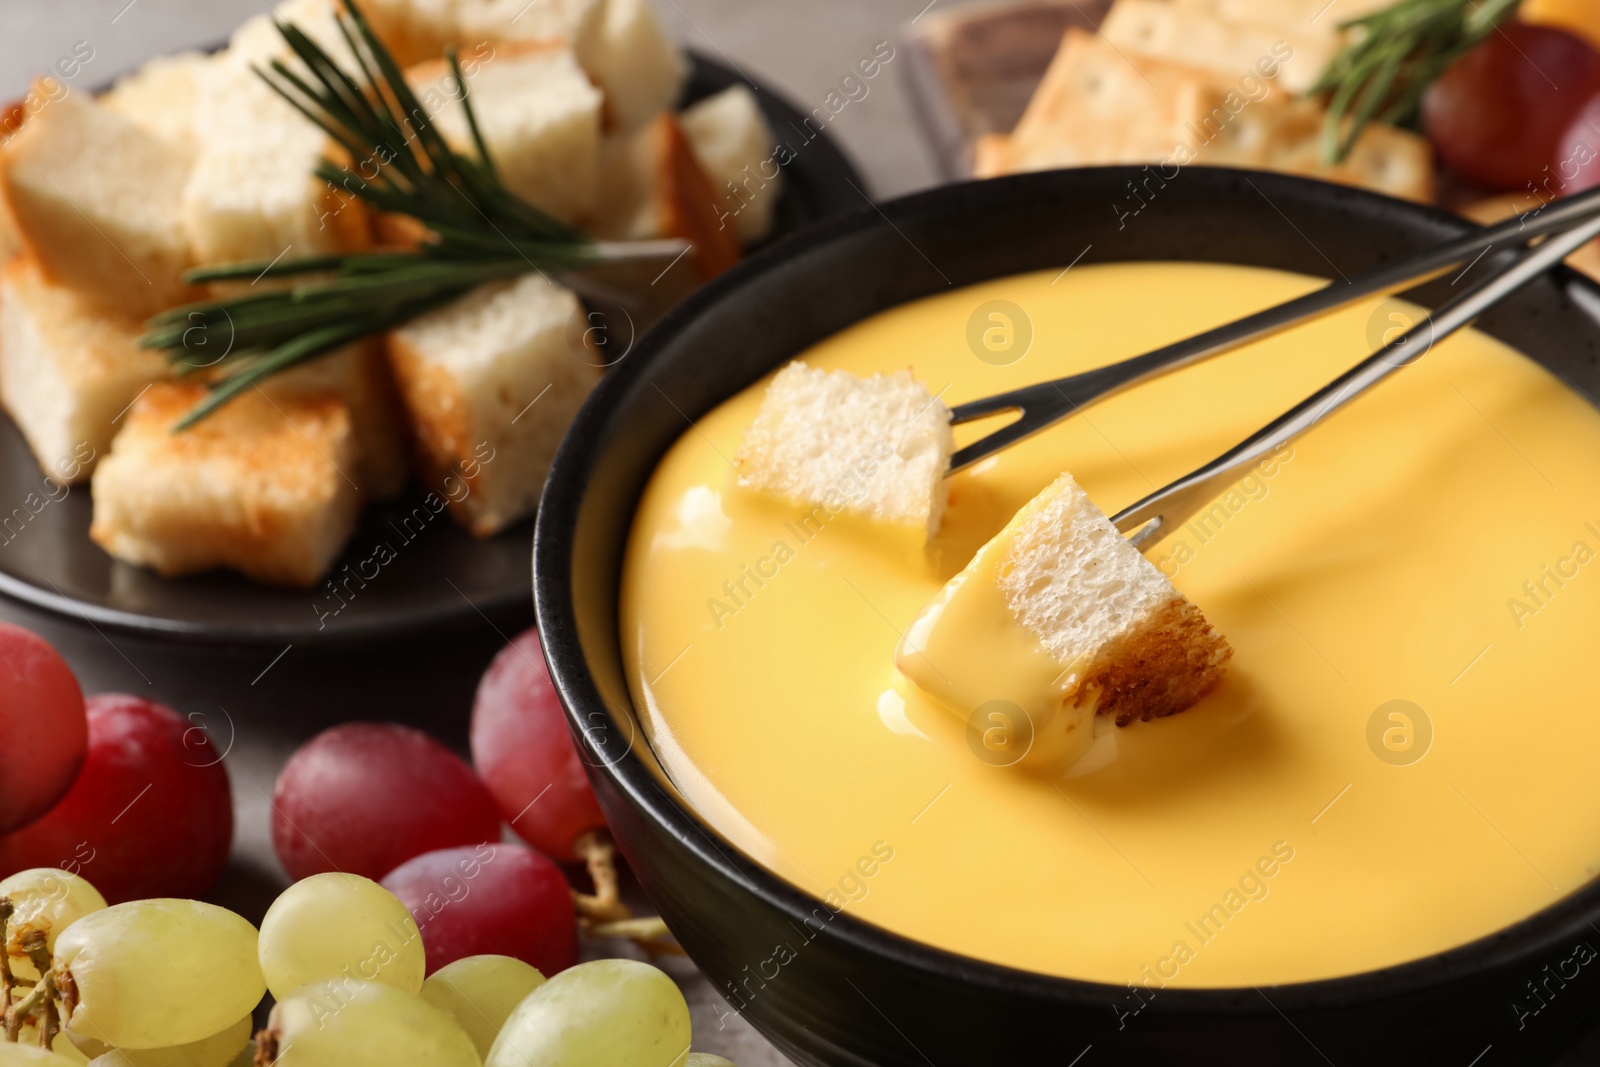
522,748
504,900
365,797
43,732
1576,164
150,815
1497,113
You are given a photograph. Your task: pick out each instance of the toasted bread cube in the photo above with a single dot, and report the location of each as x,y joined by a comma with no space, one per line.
1097,105
1157,29
490,383
1286,135
418,31
257,487
653,185
359,375
68,370
731,139
94,198
573,24
1061,617
252,195
1291,14
539,116
162,96
257,41
413,31
875,446
638,69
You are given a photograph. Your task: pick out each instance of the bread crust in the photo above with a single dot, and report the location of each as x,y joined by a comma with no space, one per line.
1160,668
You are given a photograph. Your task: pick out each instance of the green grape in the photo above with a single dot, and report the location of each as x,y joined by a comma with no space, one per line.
363,1024
157,973
596,1015
480,992
218,1050
30,1056
61,1046
340,926
45,899
706,1059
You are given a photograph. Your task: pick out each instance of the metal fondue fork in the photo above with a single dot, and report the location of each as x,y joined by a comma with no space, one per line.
1174,504
1046,403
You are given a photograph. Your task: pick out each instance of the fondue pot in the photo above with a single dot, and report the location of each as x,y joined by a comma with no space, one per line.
830,989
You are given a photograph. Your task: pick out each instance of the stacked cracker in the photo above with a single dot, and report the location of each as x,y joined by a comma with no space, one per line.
193,161
1174,82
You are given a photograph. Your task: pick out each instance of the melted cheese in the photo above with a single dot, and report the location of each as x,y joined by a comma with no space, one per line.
1400,759
968,651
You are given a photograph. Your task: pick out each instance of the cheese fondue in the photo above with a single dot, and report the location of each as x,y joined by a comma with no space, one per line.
1399,760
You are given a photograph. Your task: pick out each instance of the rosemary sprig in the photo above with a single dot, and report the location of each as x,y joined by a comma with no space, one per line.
1394,55
477,229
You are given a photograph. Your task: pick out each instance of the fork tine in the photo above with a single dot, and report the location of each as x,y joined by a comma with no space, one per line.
1004,437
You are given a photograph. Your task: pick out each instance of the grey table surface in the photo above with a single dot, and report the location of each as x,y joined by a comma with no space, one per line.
260,706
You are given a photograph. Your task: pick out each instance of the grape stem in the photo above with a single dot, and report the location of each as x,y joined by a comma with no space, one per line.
599,855
7,980
649,933
602,913
266,1048
39,956
42,996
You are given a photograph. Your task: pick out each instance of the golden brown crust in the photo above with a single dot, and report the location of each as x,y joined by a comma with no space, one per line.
688,204
438,413
257,487
1161,668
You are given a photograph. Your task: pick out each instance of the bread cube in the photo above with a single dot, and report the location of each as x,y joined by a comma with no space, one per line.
252,195
1286,135
162,96
95,200
258,487
875,446
638,69
418,31
731,140
257,41
573,24
490,383
359,375
539,116
1097,105
1157,29
653,185
1092,598
1061,617
68,370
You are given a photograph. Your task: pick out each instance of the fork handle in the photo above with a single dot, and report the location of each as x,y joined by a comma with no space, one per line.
1169,507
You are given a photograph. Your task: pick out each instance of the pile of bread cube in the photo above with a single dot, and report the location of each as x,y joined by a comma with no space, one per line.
192,161
1215,82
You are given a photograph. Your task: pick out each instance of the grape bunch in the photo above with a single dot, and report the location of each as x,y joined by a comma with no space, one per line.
415,930
174,983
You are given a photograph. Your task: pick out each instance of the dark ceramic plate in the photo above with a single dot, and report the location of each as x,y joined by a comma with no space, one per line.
855,995
439,579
